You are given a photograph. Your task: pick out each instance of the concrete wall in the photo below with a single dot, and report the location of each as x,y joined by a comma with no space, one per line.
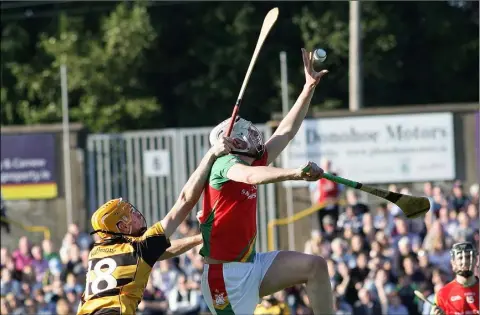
52,212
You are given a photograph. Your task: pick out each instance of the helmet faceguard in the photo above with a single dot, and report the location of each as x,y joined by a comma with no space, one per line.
464,259
106,220
248,139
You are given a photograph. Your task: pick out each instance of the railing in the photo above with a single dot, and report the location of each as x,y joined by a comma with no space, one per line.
297,216
32,228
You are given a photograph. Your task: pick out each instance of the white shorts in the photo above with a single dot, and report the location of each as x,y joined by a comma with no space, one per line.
233,288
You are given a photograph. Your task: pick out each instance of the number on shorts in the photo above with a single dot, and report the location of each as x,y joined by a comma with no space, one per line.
101,275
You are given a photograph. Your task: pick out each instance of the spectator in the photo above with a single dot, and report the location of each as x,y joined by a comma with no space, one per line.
326,193
329,227
350,219
459,200
383,220
365,305
8,284
474,193
21,256
154,301
39,264
49,251
370,261
313,245
63,308
182,300
464,231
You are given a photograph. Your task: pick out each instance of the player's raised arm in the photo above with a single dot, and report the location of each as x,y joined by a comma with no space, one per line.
289,125
192,190
181,246
257,175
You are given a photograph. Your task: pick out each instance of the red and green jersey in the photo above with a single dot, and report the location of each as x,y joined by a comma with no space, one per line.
229,219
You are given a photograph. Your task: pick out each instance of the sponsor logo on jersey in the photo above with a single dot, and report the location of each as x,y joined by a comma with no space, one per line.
455,298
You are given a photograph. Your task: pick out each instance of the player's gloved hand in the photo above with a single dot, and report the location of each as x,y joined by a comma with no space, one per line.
437,311
310,172
223,147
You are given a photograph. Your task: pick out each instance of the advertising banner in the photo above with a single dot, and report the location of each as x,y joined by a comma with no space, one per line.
379,149
28,166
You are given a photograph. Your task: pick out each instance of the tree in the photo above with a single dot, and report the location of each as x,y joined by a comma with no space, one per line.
105,87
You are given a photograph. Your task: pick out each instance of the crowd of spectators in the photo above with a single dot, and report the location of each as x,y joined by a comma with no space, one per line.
376,258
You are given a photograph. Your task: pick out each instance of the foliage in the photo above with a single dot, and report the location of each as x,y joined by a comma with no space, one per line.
125,59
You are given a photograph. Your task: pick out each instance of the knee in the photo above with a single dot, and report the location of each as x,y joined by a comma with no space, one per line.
318,266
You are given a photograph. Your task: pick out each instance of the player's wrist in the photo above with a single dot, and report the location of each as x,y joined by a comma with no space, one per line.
309,87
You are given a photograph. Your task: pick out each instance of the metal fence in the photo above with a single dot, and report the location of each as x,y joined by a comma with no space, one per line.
117,167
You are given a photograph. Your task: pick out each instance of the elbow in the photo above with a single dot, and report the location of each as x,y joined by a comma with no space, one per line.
251,179
186,201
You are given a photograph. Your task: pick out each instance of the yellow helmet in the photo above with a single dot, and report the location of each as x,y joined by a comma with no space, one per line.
105,220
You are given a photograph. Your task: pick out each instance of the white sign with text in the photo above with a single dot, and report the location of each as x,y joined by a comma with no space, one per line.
379,149
156,163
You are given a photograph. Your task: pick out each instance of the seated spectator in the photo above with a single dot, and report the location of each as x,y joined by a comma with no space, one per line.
459,199
8,284
341,307
182,300
164,275
464,231
329,227
368,230
352,200
383,220
39,264
395,306
154,301
410,267
357,245
472,212
72,284
439,256
349,218
15,306
339,252
49,250
401,229
74,263
43,308
474,194
365,305
63,308
21,256
312,246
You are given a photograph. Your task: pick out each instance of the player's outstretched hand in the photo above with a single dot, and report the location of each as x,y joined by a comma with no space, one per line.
312,77
223,147
310,172
437,311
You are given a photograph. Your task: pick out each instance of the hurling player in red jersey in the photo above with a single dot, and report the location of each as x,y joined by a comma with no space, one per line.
235,276
460,297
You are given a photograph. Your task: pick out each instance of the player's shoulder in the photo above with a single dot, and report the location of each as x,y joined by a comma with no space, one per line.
452,285
226,160
116,246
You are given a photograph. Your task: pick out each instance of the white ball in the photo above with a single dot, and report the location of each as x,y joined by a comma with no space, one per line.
319,55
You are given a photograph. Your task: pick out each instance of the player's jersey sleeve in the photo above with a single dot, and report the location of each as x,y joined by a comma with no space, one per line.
218,174
152,244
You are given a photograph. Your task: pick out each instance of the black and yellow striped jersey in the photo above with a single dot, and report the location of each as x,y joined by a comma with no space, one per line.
118,271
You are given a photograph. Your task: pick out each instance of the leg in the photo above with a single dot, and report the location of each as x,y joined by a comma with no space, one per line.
291,268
